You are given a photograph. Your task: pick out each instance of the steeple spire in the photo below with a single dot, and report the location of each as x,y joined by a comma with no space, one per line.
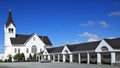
10,19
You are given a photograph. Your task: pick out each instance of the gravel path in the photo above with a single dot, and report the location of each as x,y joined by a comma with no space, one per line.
53,65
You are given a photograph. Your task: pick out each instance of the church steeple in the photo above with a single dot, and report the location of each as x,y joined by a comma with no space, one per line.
9,28
10,19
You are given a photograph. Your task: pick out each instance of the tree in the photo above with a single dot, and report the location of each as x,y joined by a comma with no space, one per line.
16,57
23,57
19,57
30,56
10,58
34,57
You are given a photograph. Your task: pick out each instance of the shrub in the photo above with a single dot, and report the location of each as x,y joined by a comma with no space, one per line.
19,57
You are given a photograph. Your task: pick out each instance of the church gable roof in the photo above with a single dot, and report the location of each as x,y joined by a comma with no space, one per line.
45,39
21,39
114,43
55,49
10,19
83,46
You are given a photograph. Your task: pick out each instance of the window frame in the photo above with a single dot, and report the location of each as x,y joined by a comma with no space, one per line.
34,49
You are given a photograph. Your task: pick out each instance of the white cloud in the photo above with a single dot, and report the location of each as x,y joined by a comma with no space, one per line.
91,37
72,42
93,23
117,13
111,37
89,23
103,24
75,42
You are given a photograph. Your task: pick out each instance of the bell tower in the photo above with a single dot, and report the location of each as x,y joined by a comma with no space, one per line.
9,29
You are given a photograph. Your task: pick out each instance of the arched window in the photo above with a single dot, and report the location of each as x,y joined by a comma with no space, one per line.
34,49
15,50
66,51
27,51
104,48
10,30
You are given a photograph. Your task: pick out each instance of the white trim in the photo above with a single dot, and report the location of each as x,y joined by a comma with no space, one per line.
71,58
79,57
45,52
113,57
98,58
65,48
64,58
88,58
103,43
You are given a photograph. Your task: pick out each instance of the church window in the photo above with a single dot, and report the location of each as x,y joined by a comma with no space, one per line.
18,50
15,50
66,51
34,49
104,48
27,51
10,30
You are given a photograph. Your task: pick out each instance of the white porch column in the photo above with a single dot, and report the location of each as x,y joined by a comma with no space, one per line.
38,58
49,57
58,58
79,58
113,57
53,58
71,58
88,58
12,59
98,58
64,58
42,57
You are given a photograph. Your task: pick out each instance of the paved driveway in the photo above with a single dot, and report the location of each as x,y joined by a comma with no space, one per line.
53,65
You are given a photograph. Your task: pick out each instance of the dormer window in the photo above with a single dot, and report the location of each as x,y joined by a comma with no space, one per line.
10,30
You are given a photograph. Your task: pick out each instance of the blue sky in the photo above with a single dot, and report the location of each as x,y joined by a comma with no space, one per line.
63,21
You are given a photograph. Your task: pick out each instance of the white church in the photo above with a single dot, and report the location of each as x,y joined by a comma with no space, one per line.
102,51
20,43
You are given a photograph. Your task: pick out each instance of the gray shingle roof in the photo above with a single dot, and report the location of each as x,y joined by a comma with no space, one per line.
21,39
46,40
114,43
55,49
83,46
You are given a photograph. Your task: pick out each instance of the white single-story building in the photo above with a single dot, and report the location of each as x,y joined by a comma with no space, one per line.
103,51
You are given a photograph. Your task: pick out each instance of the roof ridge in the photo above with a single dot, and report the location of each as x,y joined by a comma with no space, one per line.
55,47
83,43
23,34
111,38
